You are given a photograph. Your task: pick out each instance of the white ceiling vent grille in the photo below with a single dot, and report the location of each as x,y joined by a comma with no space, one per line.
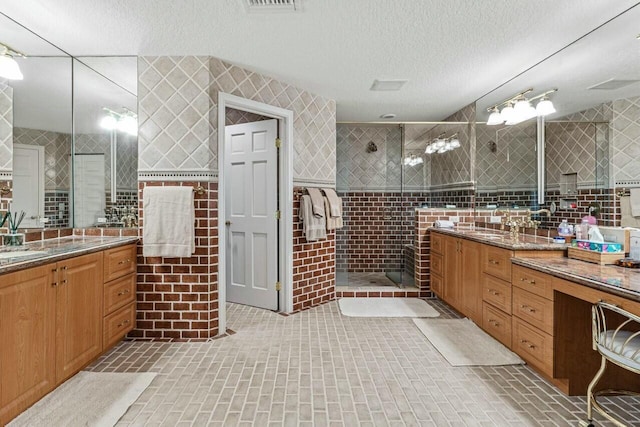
612,84
273,5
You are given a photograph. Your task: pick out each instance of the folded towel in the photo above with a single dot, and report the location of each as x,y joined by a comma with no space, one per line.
169,222
442,223
333,222
626,218
634,199
313,227
335,202
316,202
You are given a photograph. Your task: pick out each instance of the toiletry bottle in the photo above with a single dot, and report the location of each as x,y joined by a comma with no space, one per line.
582,230
564,229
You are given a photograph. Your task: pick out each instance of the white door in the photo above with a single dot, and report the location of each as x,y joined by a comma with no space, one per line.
28,184
250,168
89,193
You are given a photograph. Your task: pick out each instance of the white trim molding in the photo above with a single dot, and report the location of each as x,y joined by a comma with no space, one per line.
175,175
285,118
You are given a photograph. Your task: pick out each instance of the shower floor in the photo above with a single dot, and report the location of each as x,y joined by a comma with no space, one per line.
379,279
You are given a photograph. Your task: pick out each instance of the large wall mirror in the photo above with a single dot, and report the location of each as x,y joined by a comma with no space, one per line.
68,138
592,141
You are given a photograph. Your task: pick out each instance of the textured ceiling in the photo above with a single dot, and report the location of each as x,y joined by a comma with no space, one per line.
451,51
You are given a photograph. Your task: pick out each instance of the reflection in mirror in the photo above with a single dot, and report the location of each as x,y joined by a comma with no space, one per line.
593,140
35,130
105,150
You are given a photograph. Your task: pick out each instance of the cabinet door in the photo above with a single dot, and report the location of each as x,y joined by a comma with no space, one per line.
470,292
27,334
79,314
450,277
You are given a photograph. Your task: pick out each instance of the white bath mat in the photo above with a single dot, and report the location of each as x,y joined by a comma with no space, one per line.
386,307
87,399
463,343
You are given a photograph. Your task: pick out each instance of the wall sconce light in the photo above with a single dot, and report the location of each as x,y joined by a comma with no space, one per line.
9,68
125,122
518,108
442,145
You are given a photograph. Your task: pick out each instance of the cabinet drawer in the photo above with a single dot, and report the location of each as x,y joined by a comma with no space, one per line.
437,243
497,292
497,262
437,266
119,262
532,281
436,285
533,345
497,324
119,292
533,309
117,324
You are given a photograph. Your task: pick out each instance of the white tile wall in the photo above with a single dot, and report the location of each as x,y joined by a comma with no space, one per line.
57,152
625,126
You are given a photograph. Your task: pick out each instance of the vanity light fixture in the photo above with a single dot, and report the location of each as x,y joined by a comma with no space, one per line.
442,145
413,160
9,68
518,108
125,122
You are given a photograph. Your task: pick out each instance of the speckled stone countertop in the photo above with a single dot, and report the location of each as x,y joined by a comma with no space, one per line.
621,281
503,239
52,250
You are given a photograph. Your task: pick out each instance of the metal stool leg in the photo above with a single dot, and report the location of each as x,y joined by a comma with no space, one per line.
591,399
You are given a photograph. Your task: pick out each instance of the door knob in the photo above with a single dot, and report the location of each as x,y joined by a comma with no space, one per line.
227,223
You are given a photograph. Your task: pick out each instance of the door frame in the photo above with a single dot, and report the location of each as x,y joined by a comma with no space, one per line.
285,188
41,184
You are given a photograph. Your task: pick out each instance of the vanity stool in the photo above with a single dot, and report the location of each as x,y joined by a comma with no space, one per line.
620,346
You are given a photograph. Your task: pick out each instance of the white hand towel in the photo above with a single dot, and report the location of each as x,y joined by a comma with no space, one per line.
169,222
313,227
634,199
316,202
627,220
335,202
442,223
333,222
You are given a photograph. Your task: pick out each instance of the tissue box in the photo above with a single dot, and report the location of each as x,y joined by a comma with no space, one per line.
596,252
605,247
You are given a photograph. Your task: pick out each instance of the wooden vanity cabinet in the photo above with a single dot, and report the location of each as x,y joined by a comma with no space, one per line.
57,318
28,337
78,313
459,287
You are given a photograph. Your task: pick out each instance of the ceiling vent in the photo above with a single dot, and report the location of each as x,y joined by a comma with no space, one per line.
612,84
387,85
273,5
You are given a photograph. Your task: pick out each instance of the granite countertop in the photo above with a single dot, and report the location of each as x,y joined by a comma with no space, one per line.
52,250
621,281
502,239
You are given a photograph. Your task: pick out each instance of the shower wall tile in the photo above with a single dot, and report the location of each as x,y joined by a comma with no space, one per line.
6,128
96,144
57,153
314,126
571,148
127,162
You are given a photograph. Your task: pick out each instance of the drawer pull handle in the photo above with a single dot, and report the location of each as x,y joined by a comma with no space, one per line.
523,279
54,284
121,324
494,262
528,344
494,292
526,307
125,292
533,282
494,322
124,261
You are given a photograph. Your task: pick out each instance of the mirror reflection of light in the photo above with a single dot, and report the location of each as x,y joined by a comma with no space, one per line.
108,122
124,122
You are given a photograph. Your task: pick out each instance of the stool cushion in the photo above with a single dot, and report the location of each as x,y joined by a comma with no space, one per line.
612,348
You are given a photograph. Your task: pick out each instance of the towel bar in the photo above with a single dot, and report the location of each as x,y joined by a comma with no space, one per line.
199,190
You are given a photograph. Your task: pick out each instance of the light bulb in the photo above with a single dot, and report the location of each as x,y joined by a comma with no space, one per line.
507,113
439,143
495,118
108,122
545,107
455,143
9,68
128,124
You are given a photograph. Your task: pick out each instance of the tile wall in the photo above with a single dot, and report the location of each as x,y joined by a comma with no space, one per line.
6,129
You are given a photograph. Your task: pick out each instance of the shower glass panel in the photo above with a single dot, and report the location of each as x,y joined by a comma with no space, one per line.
369,250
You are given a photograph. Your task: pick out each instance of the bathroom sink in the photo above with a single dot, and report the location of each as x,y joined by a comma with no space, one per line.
20,254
